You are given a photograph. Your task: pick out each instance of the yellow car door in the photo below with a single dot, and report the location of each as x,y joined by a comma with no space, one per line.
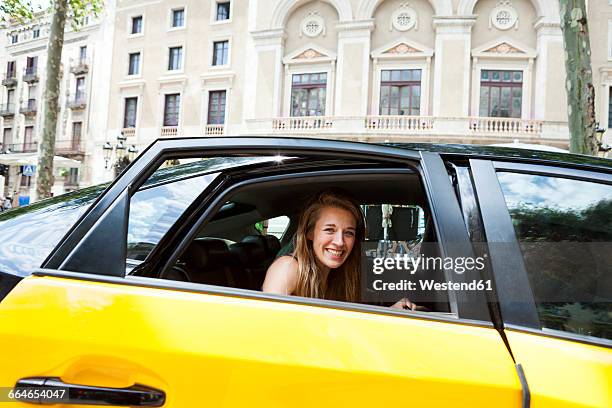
554,290
201,346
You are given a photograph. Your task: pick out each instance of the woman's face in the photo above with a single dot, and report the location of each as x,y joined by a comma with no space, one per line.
333,236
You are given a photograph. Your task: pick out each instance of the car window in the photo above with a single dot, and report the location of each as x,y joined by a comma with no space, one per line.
167,193
235,248
154,210
564,227
24,245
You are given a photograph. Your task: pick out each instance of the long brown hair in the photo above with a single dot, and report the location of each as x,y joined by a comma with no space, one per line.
343,282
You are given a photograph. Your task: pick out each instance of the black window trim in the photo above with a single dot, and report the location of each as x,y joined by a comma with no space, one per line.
554,171
436,180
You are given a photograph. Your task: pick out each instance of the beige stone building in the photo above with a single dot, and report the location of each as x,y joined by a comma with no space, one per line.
83,100
467,71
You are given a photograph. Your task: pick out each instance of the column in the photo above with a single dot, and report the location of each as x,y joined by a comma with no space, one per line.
550,96
353,68
451,97
264,75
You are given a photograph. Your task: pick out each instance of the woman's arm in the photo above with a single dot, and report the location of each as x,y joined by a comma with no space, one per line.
281,277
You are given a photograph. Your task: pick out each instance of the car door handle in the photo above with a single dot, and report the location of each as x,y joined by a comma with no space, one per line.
52,390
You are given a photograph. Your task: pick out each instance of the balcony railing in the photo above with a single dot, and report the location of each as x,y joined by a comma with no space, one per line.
7,109
30,74
29,147
214,130
29,108
70,146
169,131
9,80
79,102
129,132
303,123
437,129
410,123
80,67
509,126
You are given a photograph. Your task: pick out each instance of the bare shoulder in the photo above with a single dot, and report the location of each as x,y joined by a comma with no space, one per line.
281,276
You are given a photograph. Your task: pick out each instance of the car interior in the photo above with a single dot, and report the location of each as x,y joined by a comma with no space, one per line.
231,251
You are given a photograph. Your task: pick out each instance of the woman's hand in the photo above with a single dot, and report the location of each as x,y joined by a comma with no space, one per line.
406,304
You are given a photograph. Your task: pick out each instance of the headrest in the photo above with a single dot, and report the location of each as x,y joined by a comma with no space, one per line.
269,243
250,253
273,245
207,253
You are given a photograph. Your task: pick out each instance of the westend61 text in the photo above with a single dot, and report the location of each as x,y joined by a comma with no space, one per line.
430,284
412,264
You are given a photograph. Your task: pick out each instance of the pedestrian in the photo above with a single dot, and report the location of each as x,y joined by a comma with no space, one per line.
8,203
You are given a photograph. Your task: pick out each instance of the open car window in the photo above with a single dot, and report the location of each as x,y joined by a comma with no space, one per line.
256,223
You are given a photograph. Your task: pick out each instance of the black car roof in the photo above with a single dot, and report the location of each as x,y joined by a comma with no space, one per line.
505,153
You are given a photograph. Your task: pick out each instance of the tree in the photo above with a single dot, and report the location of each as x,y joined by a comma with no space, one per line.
579,84
77,10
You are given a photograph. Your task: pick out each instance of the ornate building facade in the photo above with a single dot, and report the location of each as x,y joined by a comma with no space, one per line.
450,71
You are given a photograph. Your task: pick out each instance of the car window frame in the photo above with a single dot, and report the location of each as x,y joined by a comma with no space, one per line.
496,218
431,169
445,216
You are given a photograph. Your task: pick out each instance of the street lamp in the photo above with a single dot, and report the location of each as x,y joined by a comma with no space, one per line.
602,148
122,160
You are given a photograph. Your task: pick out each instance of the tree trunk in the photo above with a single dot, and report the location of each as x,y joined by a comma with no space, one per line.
51,100
579,83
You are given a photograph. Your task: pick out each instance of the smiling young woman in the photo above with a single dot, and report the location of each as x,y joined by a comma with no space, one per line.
326,261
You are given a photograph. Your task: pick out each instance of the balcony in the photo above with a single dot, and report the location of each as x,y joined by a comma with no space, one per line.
29,109
69,147
379,128
30,147
9,80
30,74
214,130
128,132
169,131
503,126
81,67
79,102
7,110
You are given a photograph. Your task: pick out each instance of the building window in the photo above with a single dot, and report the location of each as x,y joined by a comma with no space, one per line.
77,128
134,64
175,55
79,94
220,52
82,54
14,38
36,33
308,92
11,69
10,96
28,139
136,25
171,109
31,65
400,92
501,93
178,18
7,139
216,108
223,11
129,112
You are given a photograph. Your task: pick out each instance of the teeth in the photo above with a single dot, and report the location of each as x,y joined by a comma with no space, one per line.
334,252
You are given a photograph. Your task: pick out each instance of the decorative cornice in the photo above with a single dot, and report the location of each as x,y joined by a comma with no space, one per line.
466,21
504,48
277,33
310,54
355,25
